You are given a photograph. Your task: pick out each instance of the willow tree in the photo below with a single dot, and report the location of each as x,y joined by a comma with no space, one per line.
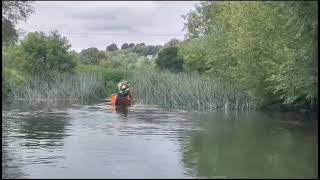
269,48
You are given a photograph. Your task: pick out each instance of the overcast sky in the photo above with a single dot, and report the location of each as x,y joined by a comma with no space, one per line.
100,23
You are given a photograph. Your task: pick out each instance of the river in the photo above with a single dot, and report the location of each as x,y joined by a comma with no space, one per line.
70,139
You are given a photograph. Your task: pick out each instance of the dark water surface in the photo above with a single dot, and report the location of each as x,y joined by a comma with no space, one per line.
69,139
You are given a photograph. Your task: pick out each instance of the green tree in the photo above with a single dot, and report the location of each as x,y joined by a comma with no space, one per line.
112,47
131,45
46,53
169,59
76,56
198,22
172,42
267,47
12,13
152,50
124,61
296,78
140,49
125,46
92,56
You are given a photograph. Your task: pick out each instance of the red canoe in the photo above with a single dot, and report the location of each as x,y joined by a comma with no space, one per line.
121,101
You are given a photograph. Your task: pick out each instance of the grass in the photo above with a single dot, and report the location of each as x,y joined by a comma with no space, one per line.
76,86
188,90
148,86
87,81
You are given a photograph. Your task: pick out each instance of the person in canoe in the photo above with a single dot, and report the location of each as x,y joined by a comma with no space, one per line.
123,97
124,89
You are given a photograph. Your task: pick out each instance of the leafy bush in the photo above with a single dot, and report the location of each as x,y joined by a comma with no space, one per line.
110,76
168,59
269,48
46,53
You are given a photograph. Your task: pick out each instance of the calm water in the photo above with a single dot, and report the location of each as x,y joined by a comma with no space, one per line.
93,140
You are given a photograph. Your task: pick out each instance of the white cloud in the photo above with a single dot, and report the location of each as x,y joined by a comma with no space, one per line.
98,20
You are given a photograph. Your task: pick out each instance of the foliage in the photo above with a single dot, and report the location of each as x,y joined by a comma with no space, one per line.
125,46
152,50
139,49
109,76
76,56
124,60
172,42
266,47
12,13
92,56
131,45
143,50
12,77
46,53
198,22
112,47
168,59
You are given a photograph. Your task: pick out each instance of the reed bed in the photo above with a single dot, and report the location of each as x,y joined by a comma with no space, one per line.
188,90
58,86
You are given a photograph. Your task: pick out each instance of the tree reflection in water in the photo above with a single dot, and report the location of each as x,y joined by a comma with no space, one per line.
251,145
31,127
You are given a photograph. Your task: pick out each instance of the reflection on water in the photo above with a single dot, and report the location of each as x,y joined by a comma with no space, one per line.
251,146
69,139
122,110
38,129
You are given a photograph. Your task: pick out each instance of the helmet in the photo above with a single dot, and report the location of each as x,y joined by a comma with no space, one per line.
126,82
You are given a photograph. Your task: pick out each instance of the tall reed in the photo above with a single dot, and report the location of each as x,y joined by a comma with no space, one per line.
55,86
188,90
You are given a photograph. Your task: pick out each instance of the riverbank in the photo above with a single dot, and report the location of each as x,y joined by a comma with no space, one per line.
173,90
291,108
